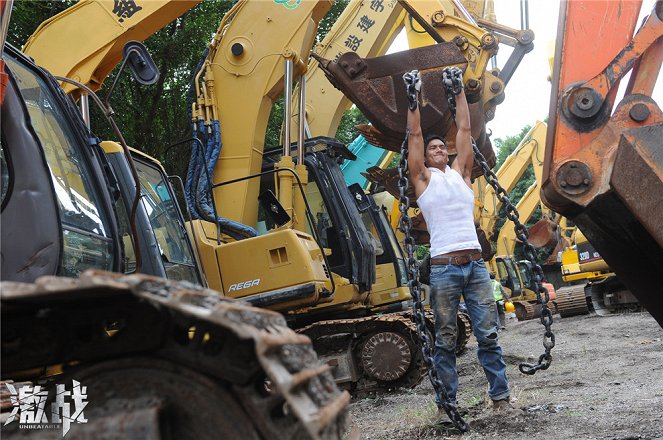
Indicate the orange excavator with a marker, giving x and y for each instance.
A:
(604, 162)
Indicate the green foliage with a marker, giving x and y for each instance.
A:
(422, 251)
(328, 20)
(275, 125)
(347, 132)
(505, 148)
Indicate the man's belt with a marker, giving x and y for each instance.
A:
(457, 260)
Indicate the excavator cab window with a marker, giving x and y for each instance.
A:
(508, 276)
(324, 225)
(86, 232)
(525, 274)
(163, 213)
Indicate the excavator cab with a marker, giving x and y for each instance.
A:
(507, 274)
(74, 208)
(57, 211)
(339, 220)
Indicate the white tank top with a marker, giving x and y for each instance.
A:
(447, 204)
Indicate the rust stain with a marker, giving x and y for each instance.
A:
(34, 259)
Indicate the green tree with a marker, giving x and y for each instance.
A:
(154, 117)
(347, 131)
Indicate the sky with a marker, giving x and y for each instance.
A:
(527, 94)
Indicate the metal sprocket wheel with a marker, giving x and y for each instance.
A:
(386, 356)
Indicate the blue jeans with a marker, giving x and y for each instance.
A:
(471, 280)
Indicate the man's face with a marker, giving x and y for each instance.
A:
(437, 155)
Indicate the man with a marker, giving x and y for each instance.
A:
(498, 294)
(444, 194)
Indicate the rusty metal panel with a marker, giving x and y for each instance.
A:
(624, 223)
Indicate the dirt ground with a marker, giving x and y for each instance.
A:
(605, 382)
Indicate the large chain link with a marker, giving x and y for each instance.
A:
(542, 296)
(405, 224)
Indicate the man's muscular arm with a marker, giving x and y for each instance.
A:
(465, 154)
(419, 174)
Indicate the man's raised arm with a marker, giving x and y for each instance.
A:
(465, 154)
(464, 151)
(419, 174)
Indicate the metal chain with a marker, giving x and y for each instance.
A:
(542, 296)
(405, 224)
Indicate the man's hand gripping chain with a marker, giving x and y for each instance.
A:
(452, 80)
(412, 88)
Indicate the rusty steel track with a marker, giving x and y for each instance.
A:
(395, 329)
(378, 353)
(526, 310)
(571, 301)
(165, 358)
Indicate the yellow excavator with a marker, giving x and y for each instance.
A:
(140, 344)
(89, 64)
(516, 276)
(595, 286)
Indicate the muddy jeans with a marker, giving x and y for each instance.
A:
(471, 280)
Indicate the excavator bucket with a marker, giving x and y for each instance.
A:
(543, 233)
(375, 86)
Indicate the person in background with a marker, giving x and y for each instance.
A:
(498, 293)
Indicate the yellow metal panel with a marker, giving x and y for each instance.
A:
(243, 88)
(384, 291)
(277, 260)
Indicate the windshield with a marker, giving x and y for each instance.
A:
(513, 274)
(524, 274)
(169, 231)
(86, 235)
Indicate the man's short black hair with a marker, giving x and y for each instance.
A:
(429, 138)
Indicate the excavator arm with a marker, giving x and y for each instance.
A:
(106, 26)
(245, 63)
(530, 151)
(603, 167)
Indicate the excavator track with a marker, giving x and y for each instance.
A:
(464, 326)
(163, 359)
(571, 301)
(377, 353)
(526, 310)
(372, 354)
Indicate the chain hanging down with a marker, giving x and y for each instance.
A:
(453, 83)
(413, 86)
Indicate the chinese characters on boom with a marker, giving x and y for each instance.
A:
(29, 406)
(125, 9)
(364, 24)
